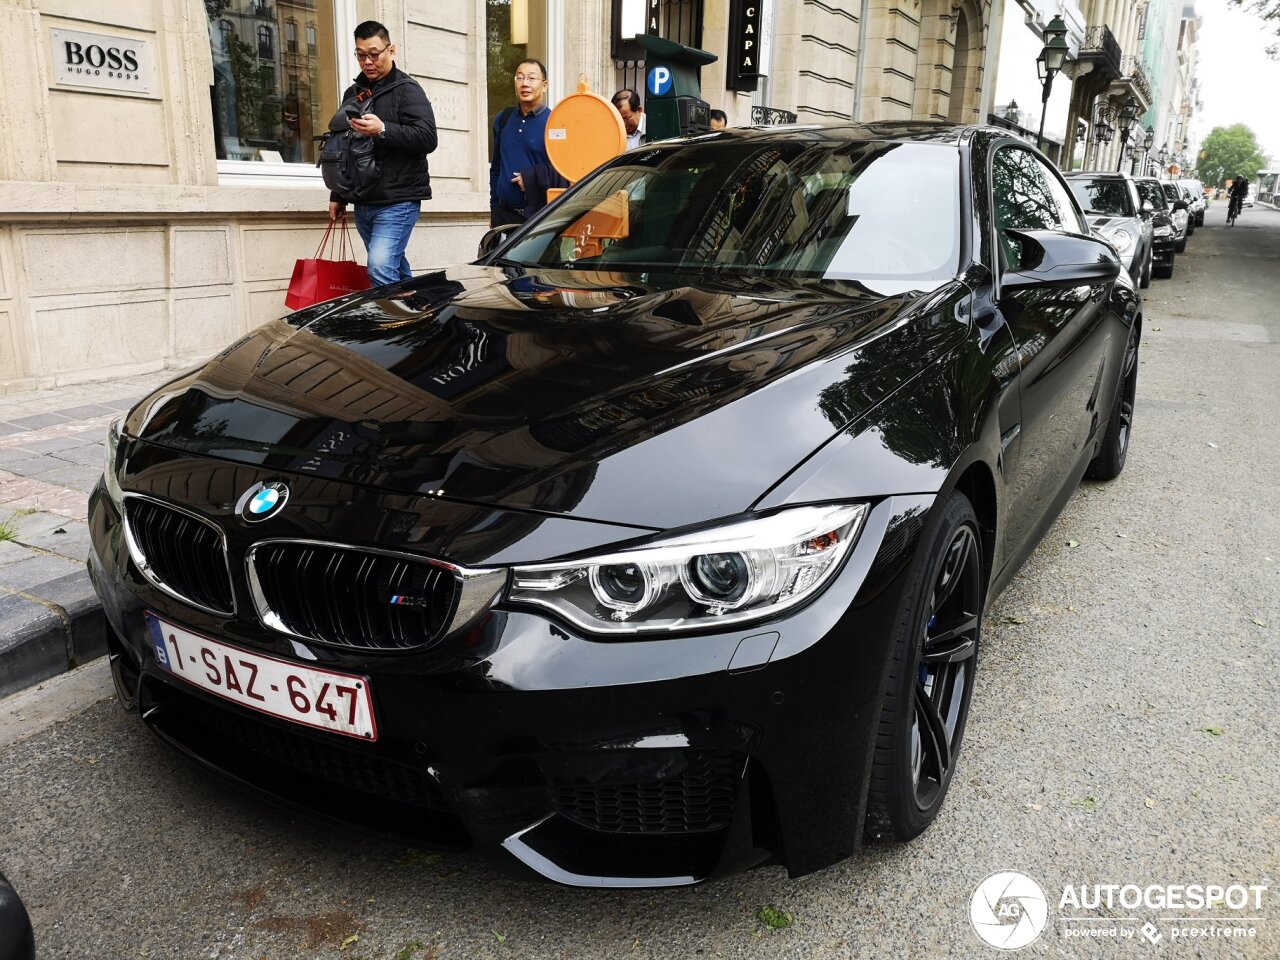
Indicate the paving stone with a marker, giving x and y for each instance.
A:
(29, 524)
(52, 445)
(38, 420)
(85, 454)
(34, 570)
(28, 466)
(74, 543)
(33, 644)
(10, 455)
(12, 552)
(123, 405)
(87, 411)
(73, 475)
(7, 428)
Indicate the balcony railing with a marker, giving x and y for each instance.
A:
(1131, 67)
(1101, 42)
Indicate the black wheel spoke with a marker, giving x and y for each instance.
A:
(933, 734)
(952, 643)
(953, 567)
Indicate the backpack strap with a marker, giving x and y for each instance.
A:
(501, 125)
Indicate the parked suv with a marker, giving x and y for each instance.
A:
(1196, 190)
(1110, 201)
(1182, 224)
(1164, 240)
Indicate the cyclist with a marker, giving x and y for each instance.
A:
(1239, 190)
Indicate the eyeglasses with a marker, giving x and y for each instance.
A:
(530, 77)
(371, 56)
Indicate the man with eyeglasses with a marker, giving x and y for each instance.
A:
(387, 104)
(520, 170)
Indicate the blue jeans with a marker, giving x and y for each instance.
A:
(385, 231)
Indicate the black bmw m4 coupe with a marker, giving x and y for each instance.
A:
(654, 544)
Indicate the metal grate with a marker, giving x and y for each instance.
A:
(181, 553)
(697, 800)
(351, 597)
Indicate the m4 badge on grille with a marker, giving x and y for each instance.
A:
(424, 602)
(262, 501)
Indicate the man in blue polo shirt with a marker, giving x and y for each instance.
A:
(520, 170)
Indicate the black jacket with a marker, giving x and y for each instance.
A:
(410, 136)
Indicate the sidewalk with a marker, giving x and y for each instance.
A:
(51, 456)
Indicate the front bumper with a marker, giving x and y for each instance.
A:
(594, 763)
(1163, 249)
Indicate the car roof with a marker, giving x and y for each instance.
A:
(918, 131)
(1097, 174)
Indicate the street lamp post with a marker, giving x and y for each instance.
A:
(1148, 139)
(1011, 112)
(1050, 61)
(1102, 131)
(1128, 114)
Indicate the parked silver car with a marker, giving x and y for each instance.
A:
(1110, 201)
(1195, 191)
(1183, 226)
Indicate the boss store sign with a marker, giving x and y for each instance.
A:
(750, 34)
(102, 61)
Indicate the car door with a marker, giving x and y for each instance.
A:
(1061, 342)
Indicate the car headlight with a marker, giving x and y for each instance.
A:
(731, 573)
(114, 490)
(1164, 230)
(1120, 238)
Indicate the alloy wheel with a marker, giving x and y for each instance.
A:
(944, 680)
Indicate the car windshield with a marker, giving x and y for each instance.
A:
(1150, 191)
(795, 208)
(1170, 192)
(1109, 196)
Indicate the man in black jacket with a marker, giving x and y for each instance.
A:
(386, 103)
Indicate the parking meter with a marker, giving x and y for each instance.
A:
(673, 104)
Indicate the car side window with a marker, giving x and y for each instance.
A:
(1073, 220)
(1022, 199)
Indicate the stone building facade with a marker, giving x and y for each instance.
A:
(163, 184)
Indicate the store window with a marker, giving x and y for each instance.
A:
(514, 30)
(269, 110)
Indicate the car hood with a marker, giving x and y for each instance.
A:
(1111, 220)
(621, 398)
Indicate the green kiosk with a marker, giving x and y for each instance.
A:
(673, 104)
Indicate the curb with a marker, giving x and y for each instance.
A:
(48, 630)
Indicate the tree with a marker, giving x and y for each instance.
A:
(1229, 152)
(1269, 11)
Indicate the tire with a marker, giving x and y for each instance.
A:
(1181, 246)
(1109, 460)
(1165, 271)
(930, 685)
(1145, 280)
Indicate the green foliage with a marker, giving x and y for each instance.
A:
(773, 917)
(1269, 11)
(1229, 152)
(7, 532)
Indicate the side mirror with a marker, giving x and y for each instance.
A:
(1181, 205)
(1147, 208)
(1052, 259)
(495, 238)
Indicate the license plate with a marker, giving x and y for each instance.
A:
(313, 697)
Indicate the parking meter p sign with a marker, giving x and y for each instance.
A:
(660, 80)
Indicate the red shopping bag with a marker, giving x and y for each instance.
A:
(320, 279)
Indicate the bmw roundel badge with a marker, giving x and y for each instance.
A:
(262, 501)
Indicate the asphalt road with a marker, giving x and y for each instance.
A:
(1123, 731)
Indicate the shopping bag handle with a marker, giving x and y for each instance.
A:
(345, 248)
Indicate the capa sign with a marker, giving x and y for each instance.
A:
(750, 33)
(101, 60)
